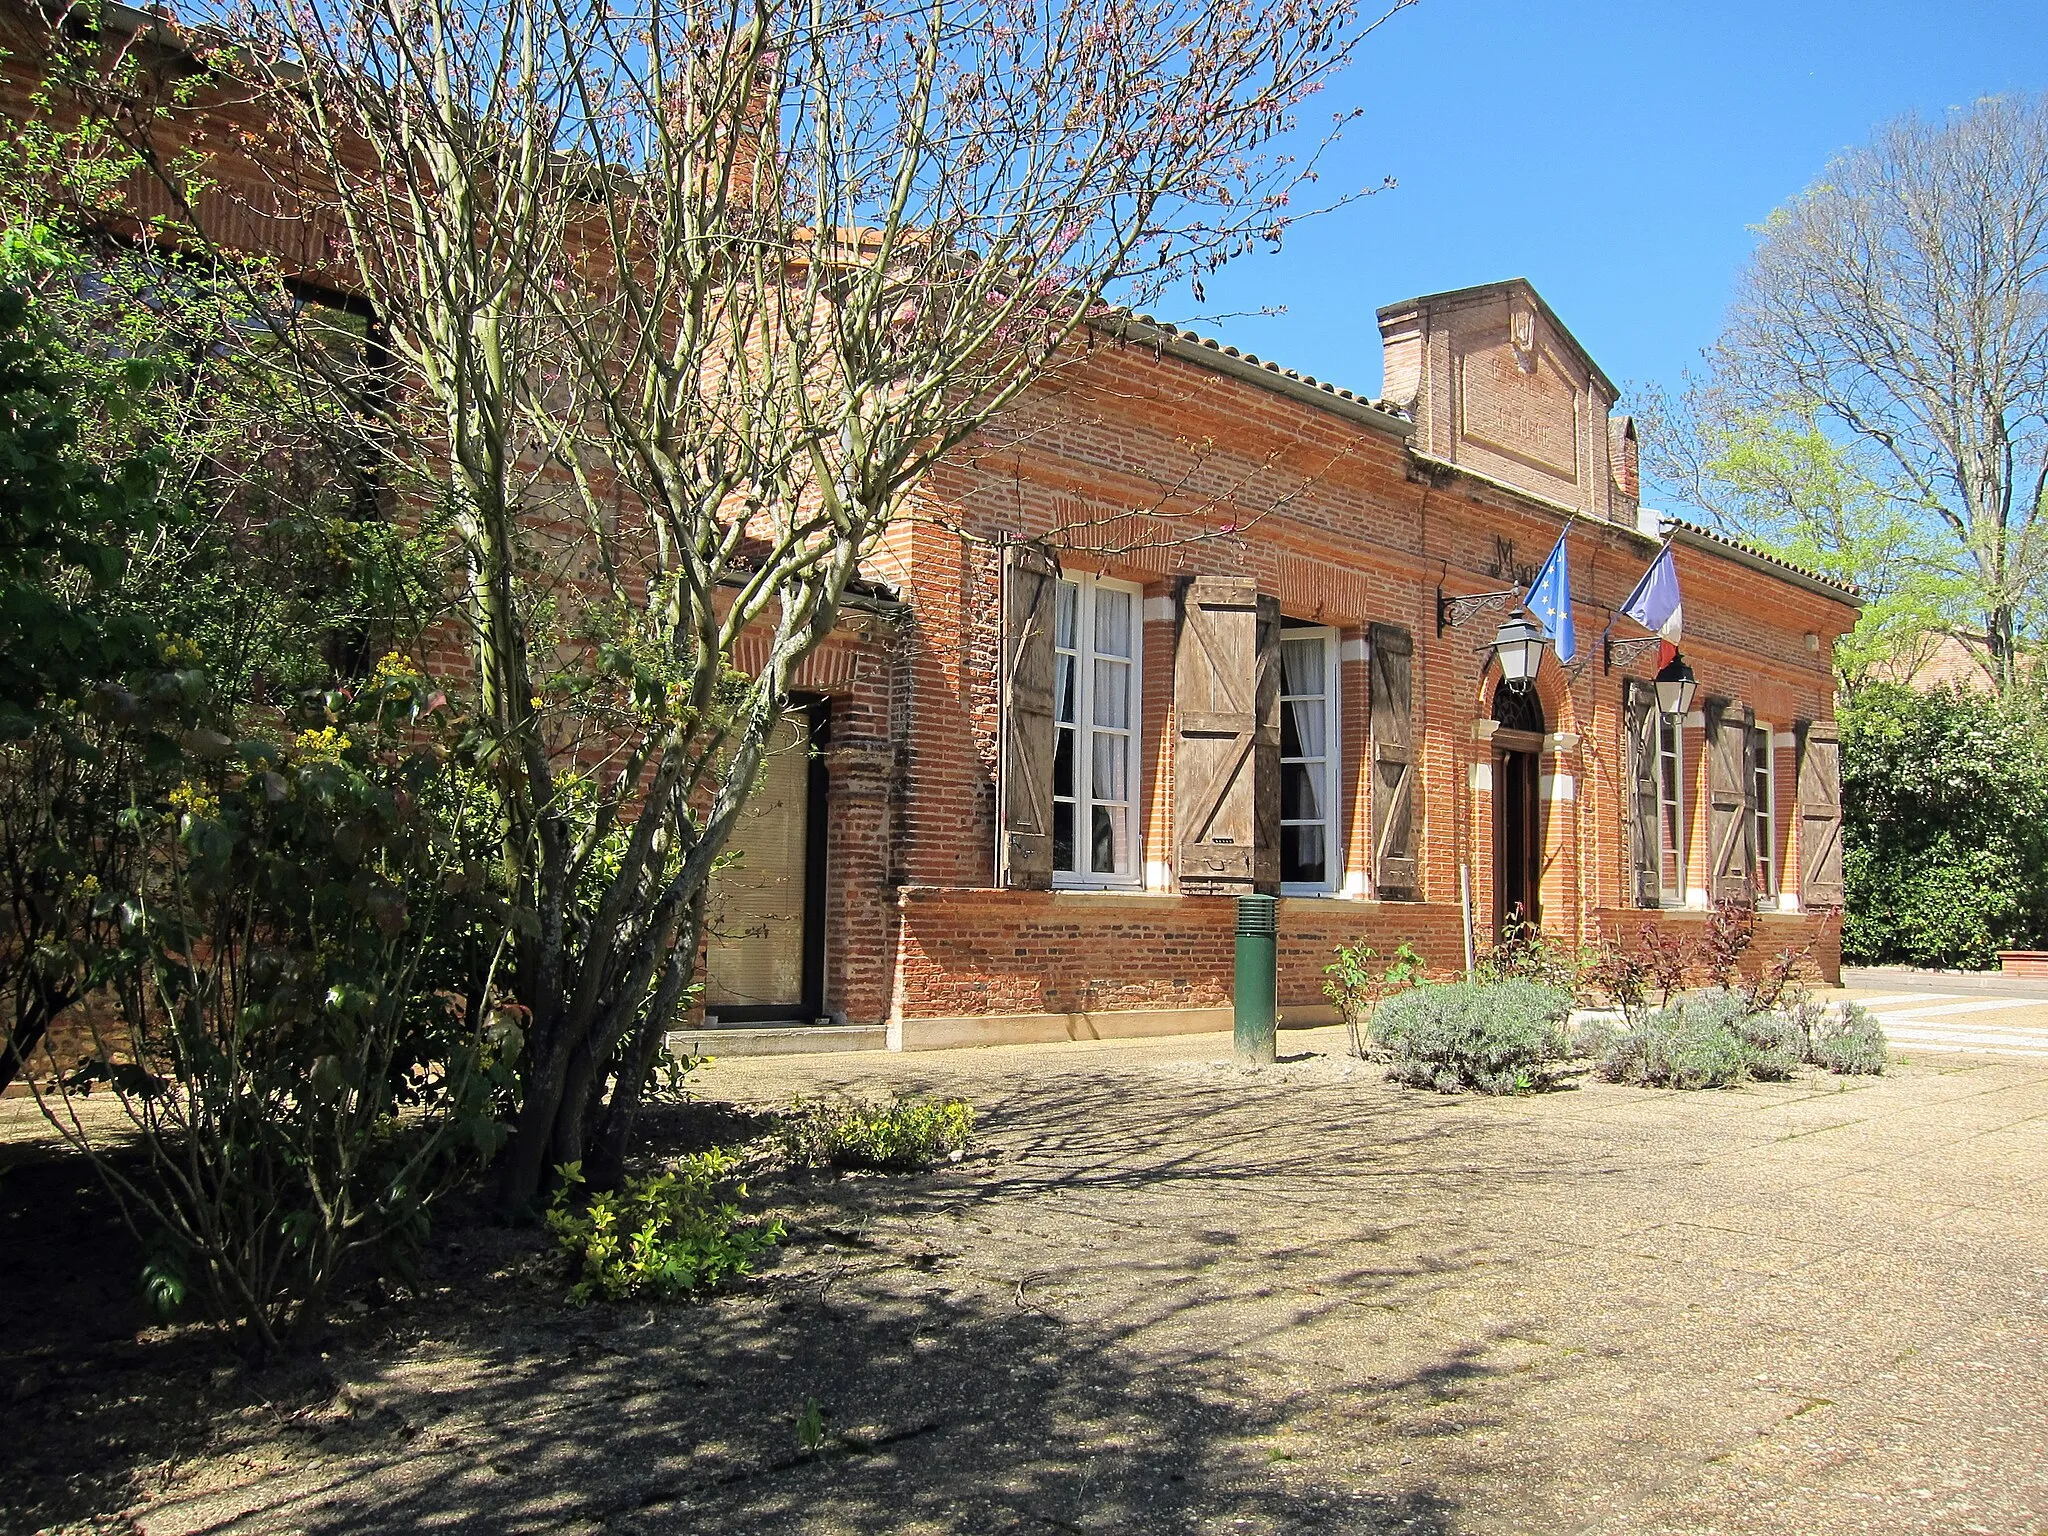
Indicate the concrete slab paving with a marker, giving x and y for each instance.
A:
(1171, 1296)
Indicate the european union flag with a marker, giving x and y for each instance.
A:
(1550, 601)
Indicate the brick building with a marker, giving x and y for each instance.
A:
(1174, 634)
(1177, 636)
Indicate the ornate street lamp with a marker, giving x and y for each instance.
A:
(1518, 647)
(1675, 686)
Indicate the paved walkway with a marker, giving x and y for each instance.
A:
(1924, 1017)
(1169, 1297)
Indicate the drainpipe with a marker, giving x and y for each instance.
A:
(1255, 998)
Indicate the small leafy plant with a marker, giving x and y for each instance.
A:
(1497, 1037)
(1357, 983)
(1694, 1041)
(1847, 1040)
(1525, 953)
(810, 1428)
(902, 1136)
(676, 1233)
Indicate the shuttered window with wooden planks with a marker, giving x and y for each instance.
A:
(1820, 814)
(1763, 800)
(1392, 732)
(1731, 804)
(1096, 705)
(1024, 802)
(1226, 771)
(1641, 799)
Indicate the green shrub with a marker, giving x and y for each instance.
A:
(1499, 1037)
(1848, 1040)
(901, 1136)
(679, 1232)
(1776, 1040)
(1945, 828)
(1695, 1041)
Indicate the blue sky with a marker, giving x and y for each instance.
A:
(1614, 154)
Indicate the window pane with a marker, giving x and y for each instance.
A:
(1301, 797)
(1301, 855)
(1109, 845)
(1112, 763)
(1063, 688)
(1063, 763)
(1112, 622)
(1064, 621)
(1063, 836)
(1113, 694)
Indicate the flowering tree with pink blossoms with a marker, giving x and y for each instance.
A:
(677, 302)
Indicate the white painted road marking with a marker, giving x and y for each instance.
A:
(1937, 1021)
(1981, 1005)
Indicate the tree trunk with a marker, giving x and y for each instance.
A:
(614, 1131)
(30, 1025)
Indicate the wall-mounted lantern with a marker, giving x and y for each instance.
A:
(1675, 687)
(1518, 647)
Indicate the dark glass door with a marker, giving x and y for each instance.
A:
(1518, 838)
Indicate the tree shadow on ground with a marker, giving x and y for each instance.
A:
(954, 1394)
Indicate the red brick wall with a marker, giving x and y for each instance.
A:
(967, 953)
(1147, 467)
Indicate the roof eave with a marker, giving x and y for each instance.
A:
(1272, 377)
(1480, 290)
(1709, 542)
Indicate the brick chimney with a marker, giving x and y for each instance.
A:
(1626, 463)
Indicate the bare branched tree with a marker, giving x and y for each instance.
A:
(1903, 301)
(682, 299)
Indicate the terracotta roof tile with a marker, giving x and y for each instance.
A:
(1196, 338)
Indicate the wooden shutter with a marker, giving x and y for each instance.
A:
(1266, 751)
(1820, 814)
(1645, 875)
(1030, 599)
(1226, 765)
(1731, 801)
(1393, 761)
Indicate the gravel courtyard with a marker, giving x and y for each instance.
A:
(1168, 1296)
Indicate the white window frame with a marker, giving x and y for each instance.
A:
(1086, 585)
(1332, 821)
(1671, 806)
(1764, 785)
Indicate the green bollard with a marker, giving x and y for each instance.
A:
(1255, 1000)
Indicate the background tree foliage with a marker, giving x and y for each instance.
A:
(1878, 403)
(1945, 827)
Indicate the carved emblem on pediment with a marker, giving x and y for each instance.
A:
(1522, 337)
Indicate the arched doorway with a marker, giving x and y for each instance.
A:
(1517, 804)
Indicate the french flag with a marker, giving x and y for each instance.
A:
(1655, 603)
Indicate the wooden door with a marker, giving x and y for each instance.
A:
(763, 955)
(1517, 839)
